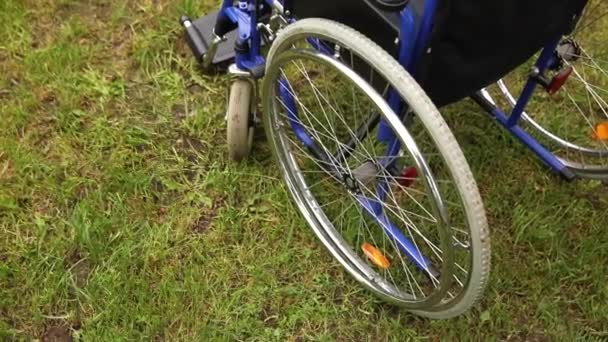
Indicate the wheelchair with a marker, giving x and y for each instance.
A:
(350, 91)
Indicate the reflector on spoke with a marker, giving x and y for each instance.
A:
(559, 80)
(408, 176)
(601, 132)
(375, 256)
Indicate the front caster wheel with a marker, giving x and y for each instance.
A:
(240, 127)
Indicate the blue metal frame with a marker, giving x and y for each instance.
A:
(414, 37)
(244, 15)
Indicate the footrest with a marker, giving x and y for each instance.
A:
(199, 34)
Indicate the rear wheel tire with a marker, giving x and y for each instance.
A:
(328, 127)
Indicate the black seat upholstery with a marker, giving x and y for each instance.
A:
(474, 42)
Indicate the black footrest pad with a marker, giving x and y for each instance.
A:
(225, 52)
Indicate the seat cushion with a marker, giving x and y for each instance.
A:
(479, 41)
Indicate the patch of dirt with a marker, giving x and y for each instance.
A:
(190, 147)
(4, 94)
(534, 337)
(47, 98)
(119, 46)
(195, 89)
(204, 221)
(269, 316)
(182, 112)
(181, 46)
(179, 112)
(85, 9)
(57, 333)
(6, 167)
(194, 143)
(122, 41)
(80, 268)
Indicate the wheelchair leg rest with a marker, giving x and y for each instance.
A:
(199, 34)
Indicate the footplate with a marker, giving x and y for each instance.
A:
(199, 35)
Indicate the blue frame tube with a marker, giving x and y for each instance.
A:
(424, 34)
(256, 42)
(286, 92)
(542, 64)
(545, 155)
(248, 34)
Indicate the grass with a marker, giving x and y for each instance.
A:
(121, 218)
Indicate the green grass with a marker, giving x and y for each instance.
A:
(121, 218)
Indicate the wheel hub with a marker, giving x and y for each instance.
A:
(350, 183)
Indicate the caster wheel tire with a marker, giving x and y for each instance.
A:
(240, 129)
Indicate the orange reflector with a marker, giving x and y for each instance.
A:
(375, 256)
(601, 132)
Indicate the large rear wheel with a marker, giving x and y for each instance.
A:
(396, 206)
